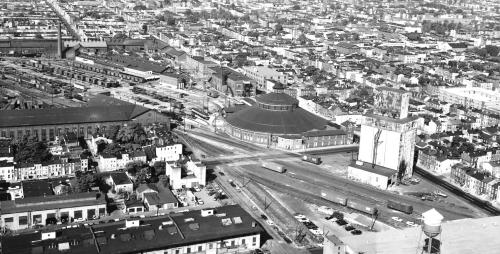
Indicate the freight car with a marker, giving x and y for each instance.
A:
(273, 166)
(335, 198)
(405, 208)
(343, 200)
(361, 207)
(312, 159)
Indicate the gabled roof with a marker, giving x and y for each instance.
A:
(74, 115)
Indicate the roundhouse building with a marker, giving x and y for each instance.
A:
(277, 120)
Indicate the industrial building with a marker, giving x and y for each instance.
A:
(387, 141)
(276, 120)
(43, 210)
(46, 124)
(226, 229)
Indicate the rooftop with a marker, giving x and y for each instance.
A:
(379, 170)
(74, 115)
(52, 202)
(457, 237)
(154, 233)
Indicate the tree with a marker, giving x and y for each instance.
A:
(84, 182)
(401, 170)
(134, 167)
(492, 50)
(30, 150)
(278, 27)
(112, 131)
(139, 8)
(132, 133)
(142, 176)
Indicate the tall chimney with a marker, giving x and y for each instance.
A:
(59, 41)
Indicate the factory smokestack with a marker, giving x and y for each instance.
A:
(59, 42)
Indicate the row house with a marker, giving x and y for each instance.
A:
(51, 169)
(475, 182)
(108, 162)
(431, 161)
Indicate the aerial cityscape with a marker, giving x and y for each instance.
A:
(249, 126)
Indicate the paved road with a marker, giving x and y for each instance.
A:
(484, 206)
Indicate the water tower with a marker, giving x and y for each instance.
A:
(432, 229)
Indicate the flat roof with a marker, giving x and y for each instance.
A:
(379, 170)
(478, 235)
(153, 233)
(51, 202)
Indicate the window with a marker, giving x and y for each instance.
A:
(37, 219)
(210, 245)
(139, 209)
(188, 250)
(243, 241)
(78, 214)
(90, 213)
(232, 243)
(254, 239)
(177, 251)
(102, 211)
(200, 248)
(23, 220)
(4, 134)
(9, 220)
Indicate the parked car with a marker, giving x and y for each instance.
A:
(263, 216)
(349, 228)
(341, 222)
(356, 232)
(395, 218)
(270, 222)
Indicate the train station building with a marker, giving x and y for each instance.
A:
(276, 120)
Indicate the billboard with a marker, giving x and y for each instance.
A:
(380, 146)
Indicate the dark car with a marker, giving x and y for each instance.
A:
(349, 228)
(221, 173)
(356, 232)
(264, 217)
(341, 222)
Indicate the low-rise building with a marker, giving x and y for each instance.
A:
(120, 182)
(28, 212)
(375, 175)
(109, 162)
(226, 229)
(189, 174)
(169, 152)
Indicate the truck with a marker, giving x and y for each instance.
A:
(273, 166)
(312, 159)
(398, 206)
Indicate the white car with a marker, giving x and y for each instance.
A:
(396, 219)
(411, 223)
(299, 216)
(316, 231)
(303, 219)
(79, 220)
(270, 222)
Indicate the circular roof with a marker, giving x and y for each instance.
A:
(258, 119)
(277, 99)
